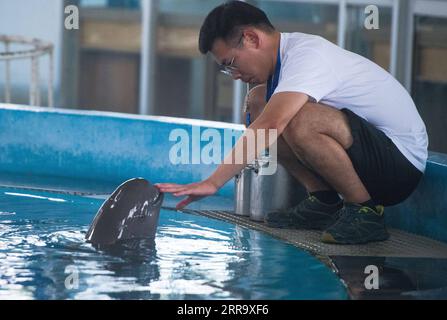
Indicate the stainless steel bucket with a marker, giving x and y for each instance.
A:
(272, 192)
(242, 191)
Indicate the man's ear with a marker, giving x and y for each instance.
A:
(252, 37)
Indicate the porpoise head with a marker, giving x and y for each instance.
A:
(130, 213)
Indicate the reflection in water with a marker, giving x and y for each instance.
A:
(135, 266)
(398, 277)
(44, 256)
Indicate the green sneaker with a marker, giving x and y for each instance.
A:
(308, 214)
(357, 225)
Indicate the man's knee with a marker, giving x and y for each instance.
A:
(305, 122)
(314, 119)
(317, 118)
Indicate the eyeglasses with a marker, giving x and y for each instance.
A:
(230, 69)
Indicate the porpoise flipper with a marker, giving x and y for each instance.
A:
(130, 213)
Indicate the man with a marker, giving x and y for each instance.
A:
(345, 126)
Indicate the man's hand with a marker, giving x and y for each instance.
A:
(194, 191)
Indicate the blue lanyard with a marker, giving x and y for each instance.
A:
(247, 119)
(272, 82)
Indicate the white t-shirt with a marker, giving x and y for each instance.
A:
(342, 79)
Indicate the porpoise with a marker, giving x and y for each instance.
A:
(130, 213)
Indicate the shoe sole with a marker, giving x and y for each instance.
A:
(289, 225)
(326, 237)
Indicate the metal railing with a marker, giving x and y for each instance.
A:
(38, 49)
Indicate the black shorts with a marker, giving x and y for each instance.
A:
(387, 175)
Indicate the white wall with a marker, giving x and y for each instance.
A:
(41, 19)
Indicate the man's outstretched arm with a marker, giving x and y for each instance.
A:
(276, 116)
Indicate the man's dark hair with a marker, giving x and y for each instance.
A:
(226, 22)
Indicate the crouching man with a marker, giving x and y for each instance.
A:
(345, 126)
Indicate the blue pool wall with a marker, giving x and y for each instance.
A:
(116, 147)
(103, 145)
(425, 211)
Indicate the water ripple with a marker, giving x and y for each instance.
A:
(44, 256)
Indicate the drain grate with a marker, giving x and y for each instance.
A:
(400, 244)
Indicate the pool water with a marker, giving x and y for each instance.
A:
(44, 255)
